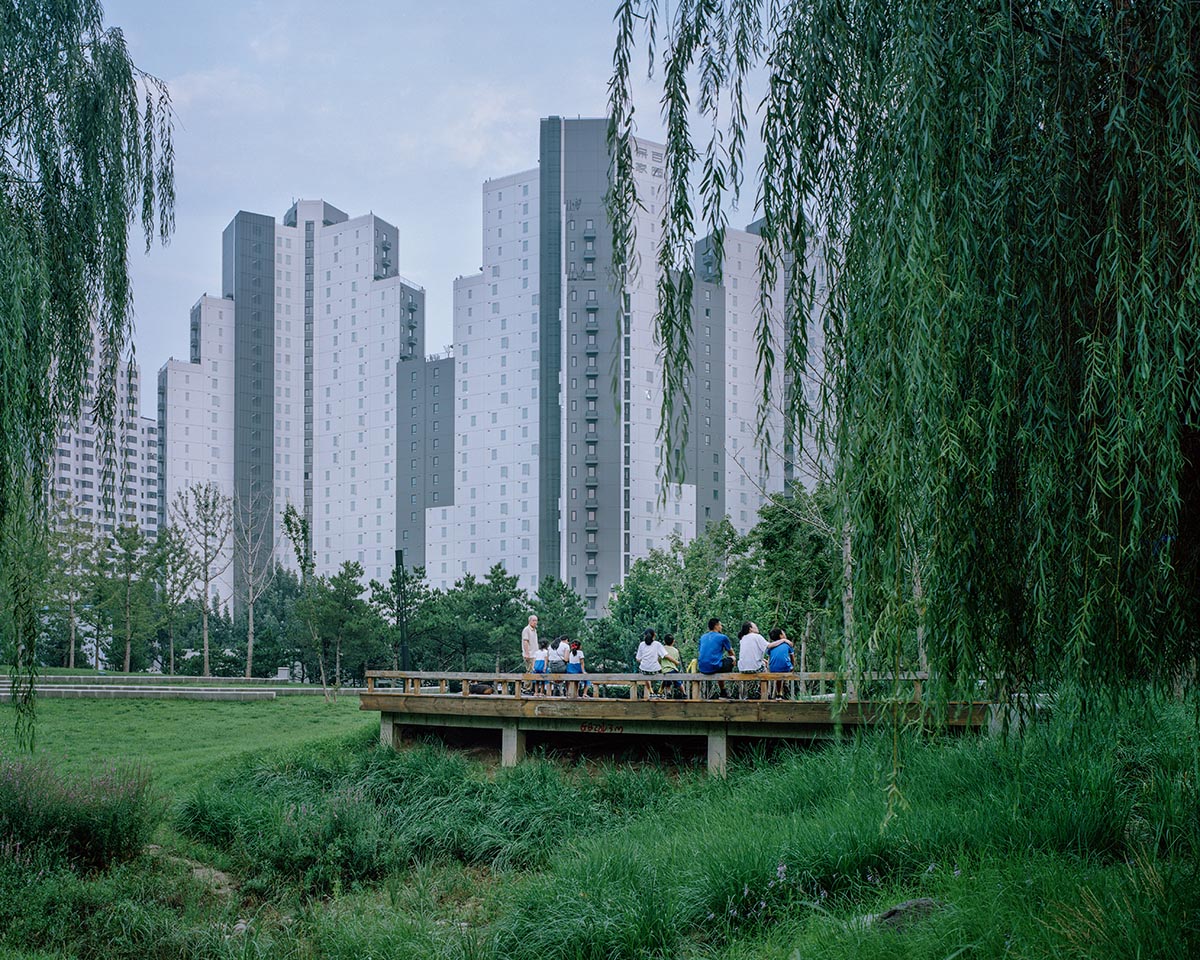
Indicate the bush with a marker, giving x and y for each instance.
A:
(91, 822)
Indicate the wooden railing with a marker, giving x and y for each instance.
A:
(632, 686)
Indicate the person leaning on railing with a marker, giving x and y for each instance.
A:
(649, 655)
(540, 666)
(575, 665)
(556, 662)
(780, 660)
(671, 662)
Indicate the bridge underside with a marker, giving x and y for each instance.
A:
(716, 721)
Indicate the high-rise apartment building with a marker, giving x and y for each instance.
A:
(555, 466)
(291, 393)
(740, 438)
(113, 480)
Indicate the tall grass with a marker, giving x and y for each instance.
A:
(350, 813)
(1078, 842)
(807, 836)
(90, 821)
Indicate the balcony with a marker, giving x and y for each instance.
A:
(591, 349)
(591, 526)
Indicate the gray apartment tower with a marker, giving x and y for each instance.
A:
(293, 393)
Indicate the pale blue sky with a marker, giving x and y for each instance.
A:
(401, 108)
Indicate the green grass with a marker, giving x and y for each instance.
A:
(183, 743)
(1081, 843)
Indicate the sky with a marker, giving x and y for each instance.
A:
(398, 108)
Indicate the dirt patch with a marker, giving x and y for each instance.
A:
(219, 882)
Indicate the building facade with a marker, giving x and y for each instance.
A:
(291, 393)
(555, 462)
(110, 480)
(557, 467)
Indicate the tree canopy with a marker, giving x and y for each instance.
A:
(1002, 200)
(85, 153)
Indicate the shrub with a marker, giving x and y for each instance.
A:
(91, 822)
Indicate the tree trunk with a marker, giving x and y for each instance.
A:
(320, 663)
(849, 655)
(337, 666)
(919, 603)
(808, 619)
(128, 627)
(171, 636)
(204, 627)
(71, 618)
(249, 638)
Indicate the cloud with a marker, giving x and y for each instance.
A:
(221, 87)
(272, 46)
(487, 126)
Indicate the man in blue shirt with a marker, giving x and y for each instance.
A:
(716, 652)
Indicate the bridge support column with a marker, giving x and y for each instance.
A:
(718, 748)
(387, 729)
(512, 745)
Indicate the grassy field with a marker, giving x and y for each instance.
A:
(1081, 842)
(183, 743)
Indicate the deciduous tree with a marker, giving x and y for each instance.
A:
(254, 565)
(203, 516)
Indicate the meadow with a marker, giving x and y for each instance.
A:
(1081, 841)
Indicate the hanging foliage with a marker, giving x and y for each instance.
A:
(1004, 199)
(85, 152)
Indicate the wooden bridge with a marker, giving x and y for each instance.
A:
(671, 705)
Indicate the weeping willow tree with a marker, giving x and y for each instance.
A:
(85, 153)
(1005, 198)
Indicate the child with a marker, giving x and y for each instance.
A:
(780, 657)
(671, 662)
(539, 666)
(575, 665)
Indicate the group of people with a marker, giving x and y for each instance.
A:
(561, 655)
(755, 654)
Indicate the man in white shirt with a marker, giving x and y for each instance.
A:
(529, 643)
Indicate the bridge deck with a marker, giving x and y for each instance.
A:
(629, 704)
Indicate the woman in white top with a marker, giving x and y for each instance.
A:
(649, 652)
(752, 649)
